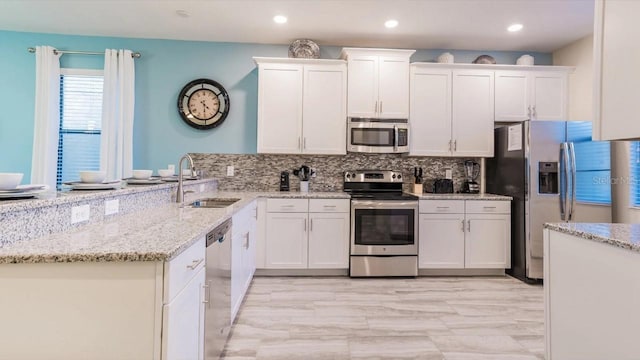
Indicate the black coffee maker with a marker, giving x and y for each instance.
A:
(471, 172)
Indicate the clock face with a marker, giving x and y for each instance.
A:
(203, 104)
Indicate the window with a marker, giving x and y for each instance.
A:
(634, 173)
(593, 164)
(80, 123)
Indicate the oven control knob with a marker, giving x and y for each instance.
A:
(348, 175)
(393, 176)
(399, 176)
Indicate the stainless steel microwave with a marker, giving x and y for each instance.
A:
(387, 136)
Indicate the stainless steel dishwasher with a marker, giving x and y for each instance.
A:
(218, 290)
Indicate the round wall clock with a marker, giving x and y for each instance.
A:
(203, 104)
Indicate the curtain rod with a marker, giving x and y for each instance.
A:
(135, 55)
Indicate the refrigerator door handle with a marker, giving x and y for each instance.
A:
(572, 160)
(564, 178)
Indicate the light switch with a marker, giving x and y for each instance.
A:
(230, 170)
(448, 174)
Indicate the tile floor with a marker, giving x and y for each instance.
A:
(430, 318)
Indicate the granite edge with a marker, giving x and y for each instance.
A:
(589, 235)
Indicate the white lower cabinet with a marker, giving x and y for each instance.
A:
(183, 322)
(328, 240)
(464, 234)
(243, 254)
(306, 234)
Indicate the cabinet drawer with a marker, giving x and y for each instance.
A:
(287, 205)
(329, 205)
(180, 270)
(488, 207)
(442, 206)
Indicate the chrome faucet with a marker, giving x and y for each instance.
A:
(180, 193)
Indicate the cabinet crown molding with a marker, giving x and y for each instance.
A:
(568, 69)
(346, 52)
(277, 60)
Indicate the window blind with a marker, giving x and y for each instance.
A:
(634, 173)
(80, 125)
(593, 164)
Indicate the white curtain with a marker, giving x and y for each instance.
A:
(116, 141)
(44, 161)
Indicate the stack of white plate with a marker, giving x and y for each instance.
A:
(9, 188)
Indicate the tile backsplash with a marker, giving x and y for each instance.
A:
(261, 172)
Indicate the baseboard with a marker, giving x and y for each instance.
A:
(461, 272)
(302, 272)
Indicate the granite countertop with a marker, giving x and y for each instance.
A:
(157, 234)
(462, 196)
(626, 236)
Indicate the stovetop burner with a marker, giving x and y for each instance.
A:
(375, 185)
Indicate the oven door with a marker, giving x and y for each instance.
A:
(384, 227)
(376, 136)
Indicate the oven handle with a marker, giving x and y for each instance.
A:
(388, 204)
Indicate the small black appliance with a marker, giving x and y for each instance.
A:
(443, 186)
(284, 181)
(471, 171)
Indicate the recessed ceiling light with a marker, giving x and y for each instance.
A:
(390, 24)
(515, 27)
(182, 13)
(280, 19)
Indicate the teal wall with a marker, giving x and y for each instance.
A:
(160, 136)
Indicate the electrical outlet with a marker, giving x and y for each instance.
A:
(111, 206)
(230, 170)
(448, 174)
(79, 213)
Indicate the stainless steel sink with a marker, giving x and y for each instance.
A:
(213, 203)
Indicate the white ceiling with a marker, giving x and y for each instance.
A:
(424, 24)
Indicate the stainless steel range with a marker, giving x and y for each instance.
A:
(384, 224)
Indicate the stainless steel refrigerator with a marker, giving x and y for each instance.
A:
(555, 173)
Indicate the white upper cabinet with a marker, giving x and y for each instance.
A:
(378, 83)
(324, 111)
(472, 118)
(451, 111)
(301, 106)
(430, 115)
(616, 78)
(531, 94)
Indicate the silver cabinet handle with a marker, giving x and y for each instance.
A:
(304, 143)
(329, 206)
(195, 263)
(442, 207)
(489, 207)
(255, 216)
(468, 225)
(207, 291)
(529, 112)
(311, 225)
(535, 114)
(572, 160)
(375, 108)
(450, 143)
(455, 145)
(305, 225)
(298, 142)
(246, 243)
(380, 107)
(463, 225)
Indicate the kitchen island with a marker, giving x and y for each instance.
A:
(592, 291)
(122, 286)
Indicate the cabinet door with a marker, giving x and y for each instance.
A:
(488, 241)
(393, 87)
(324, 125)
(280, 108)
(329, 240)
(441, 241)
(549, 95)
(286, 245)
(183, 323)
(430, 114)
(473, 113)
(616, 70)
(362, 93)
(512, 96)
(237, 273)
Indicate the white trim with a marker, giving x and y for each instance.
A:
(81, 72)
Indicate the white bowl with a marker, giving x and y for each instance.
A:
(9, 181)
(92, 176)
(165, 172)
(142, 174)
